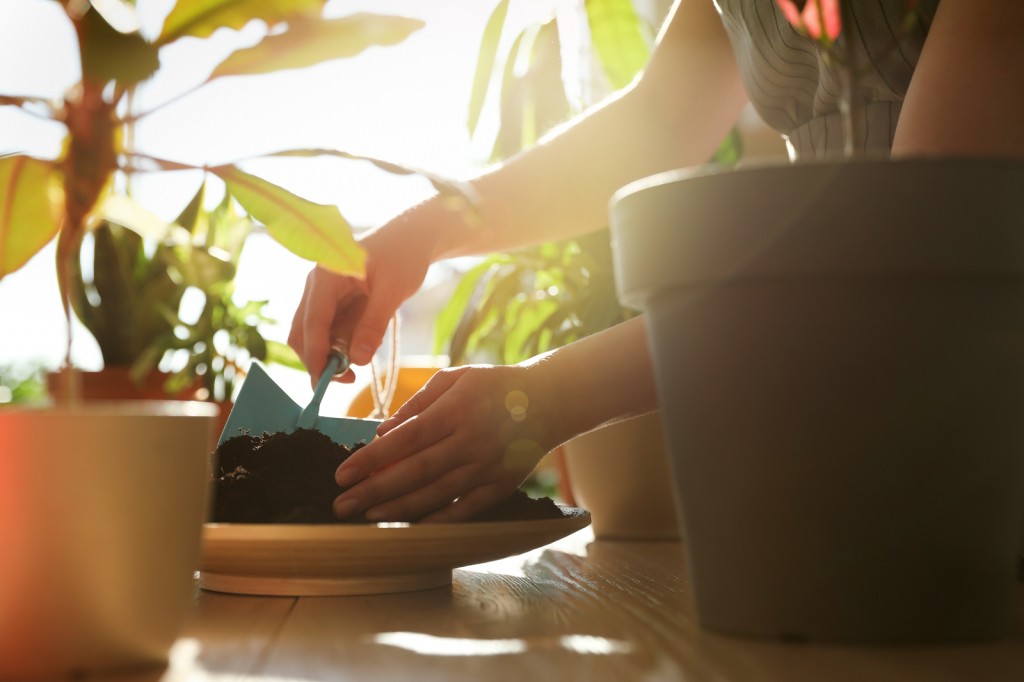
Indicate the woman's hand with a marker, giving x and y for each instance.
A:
(462, 444)
(356, 311)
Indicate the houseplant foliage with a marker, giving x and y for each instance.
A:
(67, 196)
(145, 279)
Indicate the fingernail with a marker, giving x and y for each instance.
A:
(345, 508)
(346, 477)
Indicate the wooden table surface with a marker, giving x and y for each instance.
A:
(578, 609)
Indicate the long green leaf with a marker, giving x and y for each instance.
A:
(485, 63)
(312, 231)
(200, 18)
(618, 37)
(306, 43)
(447, 321)
(530, 317)
(27, 213)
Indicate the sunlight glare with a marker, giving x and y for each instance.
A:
(430, 645)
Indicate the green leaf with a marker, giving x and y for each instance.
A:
(448, 319)
(121, 209)
(200, 18)
(529, 319)
(619, 39)
(189, 215)
(27, 209)
(282, 354)
(309, 230)
(485, 63)
(730, 150)
(108, 54)
(306, 43)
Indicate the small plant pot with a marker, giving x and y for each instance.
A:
(101, 514)
(839, 354)
(619, 473)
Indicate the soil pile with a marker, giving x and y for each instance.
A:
(289, 478)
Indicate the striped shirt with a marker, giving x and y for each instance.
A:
(798, 94)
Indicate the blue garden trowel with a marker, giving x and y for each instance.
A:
(262, 406)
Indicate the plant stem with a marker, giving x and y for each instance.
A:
(851, 109)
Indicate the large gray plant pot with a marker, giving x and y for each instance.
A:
(839, 352)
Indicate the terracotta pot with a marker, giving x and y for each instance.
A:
(619, 472)
(115, 383)
(838, 354)
(101, 513)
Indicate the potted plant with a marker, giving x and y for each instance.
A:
(837, 360)
(153, 345)
(68, 196)
(85, 187)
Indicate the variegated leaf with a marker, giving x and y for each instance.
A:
(27, 209)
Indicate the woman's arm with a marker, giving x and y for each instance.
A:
(674, 115)
(967, 93)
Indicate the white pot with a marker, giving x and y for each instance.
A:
(101, 514)
(619, 472)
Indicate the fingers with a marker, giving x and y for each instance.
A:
(394, 474)
(372, 325)
(435, 387)
(329, 309)
(441, 500)
(415, 436)
(454, 440)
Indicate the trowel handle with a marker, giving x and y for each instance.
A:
(337, 363)
(338, 358)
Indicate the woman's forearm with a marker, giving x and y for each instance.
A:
(674, 115)
(601, 378)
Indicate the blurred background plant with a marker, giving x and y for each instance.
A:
(177, 288)
(22, 384)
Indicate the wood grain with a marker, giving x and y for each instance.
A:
(577, 609)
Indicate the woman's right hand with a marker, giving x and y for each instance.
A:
(354, 310)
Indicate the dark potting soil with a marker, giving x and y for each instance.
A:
(289, 478)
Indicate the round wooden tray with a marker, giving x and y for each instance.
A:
(350, 559)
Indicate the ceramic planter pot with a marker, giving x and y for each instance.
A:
(839, 352)
(619, 472)
(101, 514)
